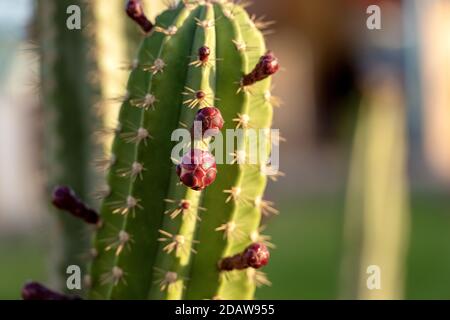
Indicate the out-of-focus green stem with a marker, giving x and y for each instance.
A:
(377, 219)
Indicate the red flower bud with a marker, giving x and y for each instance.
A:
(267, 66)
(197, 169)
(211, 120)
(135, 11)
(254, 256)
(65, 199)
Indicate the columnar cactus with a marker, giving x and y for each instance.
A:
(188, 230)
(67, 94)
(161, 239)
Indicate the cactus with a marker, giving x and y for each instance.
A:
(187, 231)
(69, 56)
(67, 93)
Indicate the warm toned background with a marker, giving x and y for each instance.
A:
(366, 115)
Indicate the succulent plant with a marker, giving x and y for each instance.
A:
(89, 57)
(188, 231)
(67, 93)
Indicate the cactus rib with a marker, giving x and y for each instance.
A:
(238, 215)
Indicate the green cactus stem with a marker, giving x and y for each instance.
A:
(67, 94)
(160, 239)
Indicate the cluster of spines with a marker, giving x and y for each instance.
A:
(176, 206)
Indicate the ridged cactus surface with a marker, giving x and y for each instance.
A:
(185, 226)
(159, 238)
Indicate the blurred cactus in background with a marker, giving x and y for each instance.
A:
(68, 93)
(377, 217)
(80, 77)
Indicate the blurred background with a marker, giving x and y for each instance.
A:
(366, 116)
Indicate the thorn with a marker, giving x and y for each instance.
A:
(183, 125)
(258, 277)
(229, 14)
(105, 164)
(103, 193)
(274, 136)
(133, 65)
(119, 243)
(140, 135)
(235, 195)
(170, 31)
(114, 277)
(185, 208)
(157, 67)
(205, 24)
(260, 23)
(275, 101)
(231, 231)
(133, 172)
(239, 157)
(266, 207)
(272, 174)
(146, 103)
(168, 280)
(256, 236)
(130, 205)
(244, 3)
(101, 135)
(240, 45)
(176, 243)
(122, 99)
(242, 120)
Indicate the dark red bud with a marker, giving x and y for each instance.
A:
(36, 291)
(256, 255)
(135, 11)
(203, 54)
(200, 95)
(197, 169)
(268, 65)
(185, 205)
(211, 120)
(65, 199)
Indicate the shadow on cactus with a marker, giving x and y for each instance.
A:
(189, 230)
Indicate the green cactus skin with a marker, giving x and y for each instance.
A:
(139, 206)
(67, 93)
